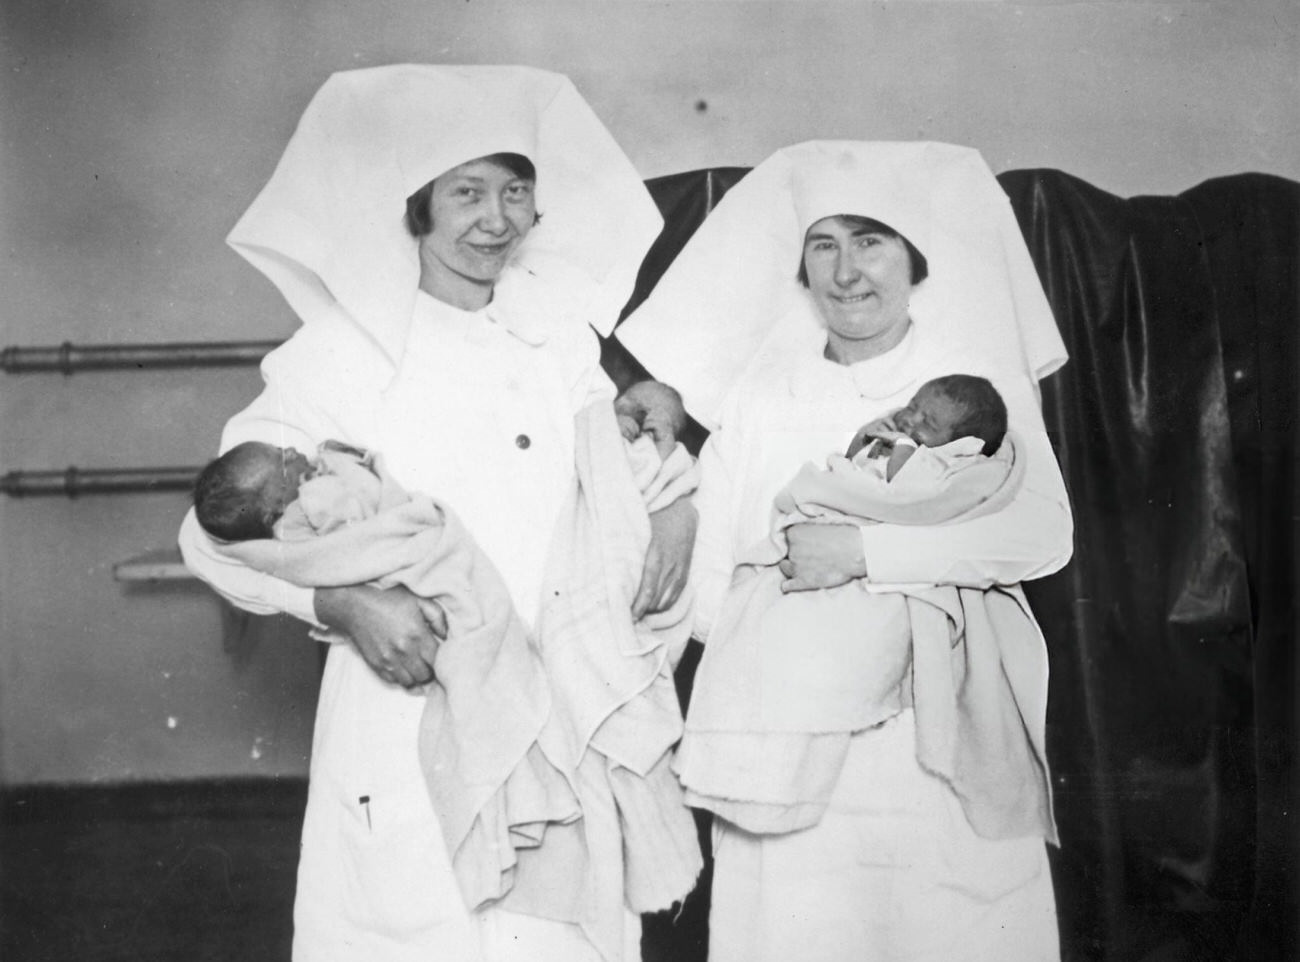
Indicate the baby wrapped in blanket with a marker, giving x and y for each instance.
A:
(512, 723)
(786, 678)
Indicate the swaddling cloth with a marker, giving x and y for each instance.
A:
(787, 678)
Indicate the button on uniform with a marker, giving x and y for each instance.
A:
(522, 442)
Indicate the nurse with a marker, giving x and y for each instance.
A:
(448, 237)
(830, 283)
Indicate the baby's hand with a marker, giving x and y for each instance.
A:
(628, 425)
(890, 436)
(881, 429)
(652, 408)
(435, 615)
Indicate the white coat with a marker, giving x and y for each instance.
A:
(480, 415)
(893, 872)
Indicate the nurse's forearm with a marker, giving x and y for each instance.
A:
(821, 556)
(1028, 541)
(396, 635)
(668, 558)
(240, 585)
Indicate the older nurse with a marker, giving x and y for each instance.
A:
(447, 235)
(825, 288)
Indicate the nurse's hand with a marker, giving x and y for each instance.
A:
(396, 635)
(822, 556)
(668, 559)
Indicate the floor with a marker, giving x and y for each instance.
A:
(188, 872)
(193, 871)
(204, 872)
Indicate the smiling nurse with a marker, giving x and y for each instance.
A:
(860, 273)
(469, 221)
(457, 340)
(906, 839)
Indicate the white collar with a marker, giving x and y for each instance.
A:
(875, 379)
(476, 326)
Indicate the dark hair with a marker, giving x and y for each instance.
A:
(984, 413)
(920, 267)
(418, 219)
(226, 504)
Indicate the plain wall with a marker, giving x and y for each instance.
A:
(132, 135)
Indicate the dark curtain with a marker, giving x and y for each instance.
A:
(1172, 712)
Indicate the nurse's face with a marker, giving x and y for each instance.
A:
(861, 282)
(481, 212)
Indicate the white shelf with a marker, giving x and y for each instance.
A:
(160, 565)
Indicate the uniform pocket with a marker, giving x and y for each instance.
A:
(399, 878)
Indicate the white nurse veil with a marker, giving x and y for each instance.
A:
(328, 228)
(731, 291)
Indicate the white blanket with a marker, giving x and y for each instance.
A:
(616, 715)
(787, 678)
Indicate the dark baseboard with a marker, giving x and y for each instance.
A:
(231, 798)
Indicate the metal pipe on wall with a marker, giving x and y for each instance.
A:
(77, 481)
(68, 357)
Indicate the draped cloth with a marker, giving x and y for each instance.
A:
(616, 716)
(1173, 719)
(491, 786)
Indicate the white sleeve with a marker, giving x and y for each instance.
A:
(278, 416)
(241, 585)
(592, 383)
(1031, 537)
(716, 498)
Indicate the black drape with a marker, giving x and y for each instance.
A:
(1172, 712)
(1158, 713)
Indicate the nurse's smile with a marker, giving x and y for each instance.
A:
(481, 211)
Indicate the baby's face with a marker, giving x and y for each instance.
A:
(930, 418)
(283, 472)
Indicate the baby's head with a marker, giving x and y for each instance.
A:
(242, 494)
(654, 408)
(952, 407)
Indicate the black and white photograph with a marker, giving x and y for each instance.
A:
(649, 481)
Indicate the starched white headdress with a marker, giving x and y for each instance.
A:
(733, 288)
(328, 227)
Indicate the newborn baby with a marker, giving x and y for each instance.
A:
(651, 408)
(770, 714)
(256, 490)
(941, 411)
